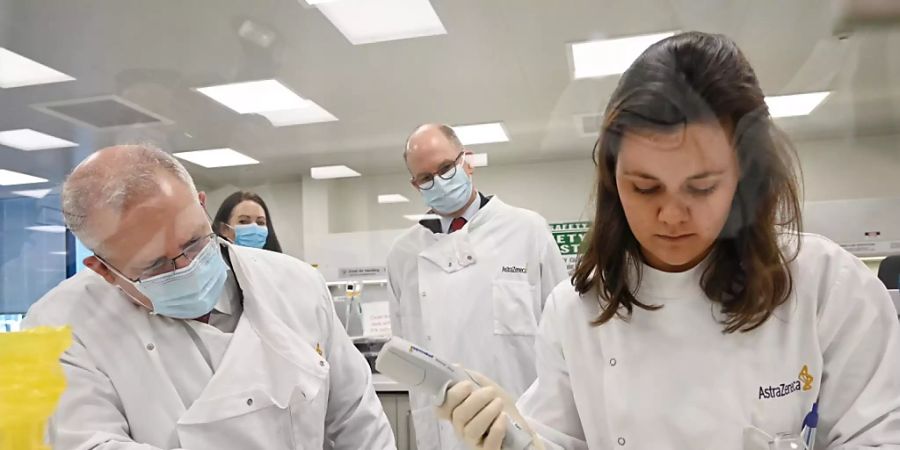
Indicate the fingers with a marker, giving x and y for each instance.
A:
(480, 379)
(497, 433)
(477, 428)
(455, 396)
(472, 406)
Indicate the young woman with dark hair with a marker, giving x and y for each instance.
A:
(699, 316)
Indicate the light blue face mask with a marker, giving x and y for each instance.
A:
(449, 196)
(250, 235)
(189, 292)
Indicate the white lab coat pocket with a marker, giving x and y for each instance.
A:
(308, 409)
(513, 308)
(225, 423)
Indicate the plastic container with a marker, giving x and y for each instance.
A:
(31, 382)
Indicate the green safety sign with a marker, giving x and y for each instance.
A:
(569, 235)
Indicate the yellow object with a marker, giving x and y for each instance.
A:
(31, 382)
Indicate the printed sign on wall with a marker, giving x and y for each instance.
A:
(568, 237)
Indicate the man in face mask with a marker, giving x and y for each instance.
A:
(182, 340)
(471, 283)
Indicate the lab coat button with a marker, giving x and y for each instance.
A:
(612, 362)
(622, 441)
(322, 363)
(423, 293)
(469, 257)
(249, 402)
(450, 264)
(150, 347)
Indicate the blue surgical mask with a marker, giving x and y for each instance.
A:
(189, 292)
(449, 196)
(250, 235)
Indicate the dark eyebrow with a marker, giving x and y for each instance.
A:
(707, 174)
(639, 174)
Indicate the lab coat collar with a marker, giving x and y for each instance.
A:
(266, 360)
(435, 226)
(657, 284)
(467, 215)
(454, 252)
(230, 295)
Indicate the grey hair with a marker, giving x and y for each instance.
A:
(446, 130)
(132, 178)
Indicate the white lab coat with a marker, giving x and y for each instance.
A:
(474, 297)
(670, 379)
(272, 389)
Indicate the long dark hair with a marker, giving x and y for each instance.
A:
(224, 214)
(699, 78)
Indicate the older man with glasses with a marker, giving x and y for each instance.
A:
(182, 340)
(469, 284)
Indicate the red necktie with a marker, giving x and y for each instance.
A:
(457, 223)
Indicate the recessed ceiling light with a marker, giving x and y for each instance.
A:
(317, 2)
(610, 56)
(28, 139)
(365, 22)
(10, 178)
(420, 217)
(310, 113)
(33, 193)
(392, 198)
(483, 133)
(254, 96)
(47, 228)
(328, 172)
(273, 100)
(17, 70)
(795, 104)
(478, 159)
(217, 157)
(58, 253)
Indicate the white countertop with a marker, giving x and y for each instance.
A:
(385, 384)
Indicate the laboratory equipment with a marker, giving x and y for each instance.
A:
(31, 382)
(420, 369)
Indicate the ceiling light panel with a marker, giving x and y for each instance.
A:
(795, 104)
(484, 133)
(610, 56)
(392, 198)
(370, 21)
(17, 71)
(217, 157)
(28, 139)
(329, 172)
(12, 178)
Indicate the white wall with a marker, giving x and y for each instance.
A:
(861, 167)
(285, 205)
(306, 213)
(557, 190)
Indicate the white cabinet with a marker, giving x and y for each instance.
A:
(396, 406)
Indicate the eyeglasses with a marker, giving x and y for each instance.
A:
(446, 171)
(191, 251)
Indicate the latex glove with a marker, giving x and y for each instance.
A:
(478, 414)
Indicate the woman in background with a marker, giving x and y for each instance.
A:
(244, 219)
